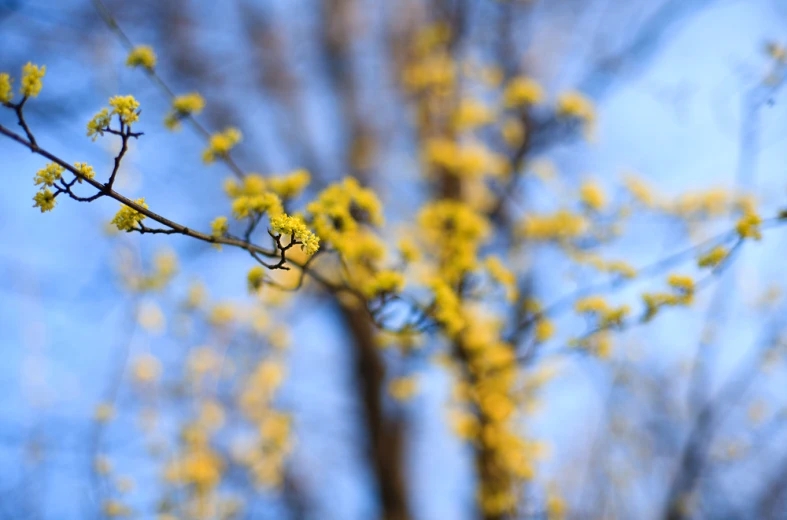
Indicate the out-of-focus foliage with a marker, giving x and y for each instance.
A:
(422, 210)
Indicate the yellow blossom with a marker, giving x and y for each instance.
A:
(290, 185)
(6, 90)
(248, 205)
(713, 257)
(196, 295)
(641, 192)
(403, 388)
(142, 56)
(221, 314)
(591, 304)
(115, 509)
(182, 107)
(49, 174)
(748, 226)
(683, 283)
(471, 114)
(219, 227)
(45, 200)
(85, 170)
(97, 125)
(126, 107)
(522, 91)
(620, 267)
(471, 159)
(544, 330)
(128, 218)
(385, 281)
(255, 278)
(220, 144)
(341, 207)
(575, 104)
(31, 79)
(448, 311)
(502, 275)
(555, 506)
(146, 369)
(408, 249)
(593, 196)
(559, 226)
(295, 227)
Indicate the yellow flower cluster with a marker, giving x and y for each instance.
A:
(126, 107)
(344, 214)
(431, 69)
(142, 56)
(255, 278)
(507, 458)
(248, 205)
(408, 250)
(85, 171)
(713, 257)
(471, 114)
(115, 509)
(544, 330)
(640, 190)
(198, 465)
(383, 282)
(220, 144)
(6, 90)
(219, 227)
(447, 307)
(49, 174)
(146, 369)
(165, 266)
(295, 227)
(403, 388)
(502, 275)
(127, 218)
(684, 295)
(575, 104)
(597, 307)
(560, 226)
(616, 267)
(31, 79)
(455, 232)
(593, 196)
(182, 107)
(99, 123)
(470, 160)
(710, 203)
(45, 200)
(431, 37)
(436, 72)
(341, 207)
(290, 185)
(748, 226)
(522, 91)
(683, 283)
(265, 457)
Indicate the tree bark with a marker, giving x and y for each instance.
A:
(386, 434)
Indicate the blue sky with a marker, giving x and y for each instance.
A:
(677, 123)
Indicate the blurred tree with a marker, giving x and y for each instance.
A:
(420, 213)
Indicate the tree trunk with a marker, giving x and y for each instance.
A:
(386, 434)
